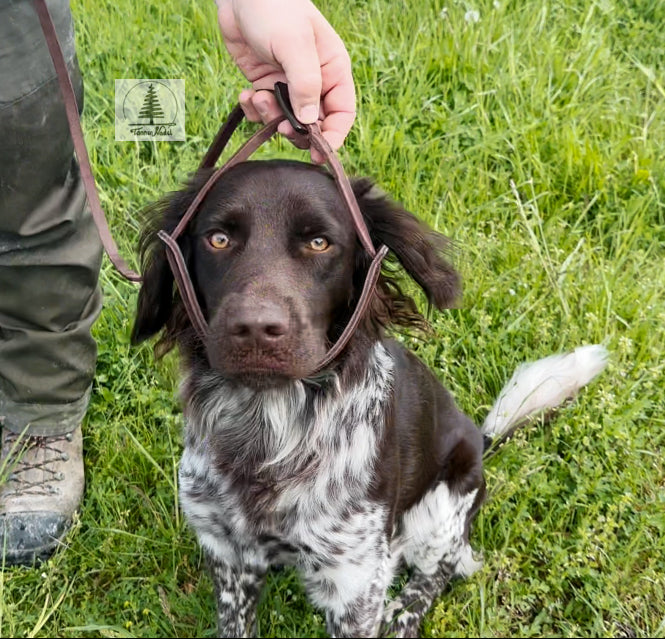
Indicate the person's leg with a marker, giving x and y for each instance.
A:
(50, 256)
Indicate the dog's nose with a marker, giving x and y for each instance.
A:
(252, 323)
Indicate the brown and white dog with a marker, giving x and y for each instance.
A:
(346, 474)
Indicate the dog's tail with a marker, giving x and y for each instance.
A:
(541, 386)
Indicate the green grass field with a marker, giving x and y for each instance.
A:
(535, 138)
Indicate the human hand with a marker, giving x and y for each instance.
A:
(290, 41)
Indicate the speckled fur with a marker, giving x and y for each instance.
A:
(311, 507)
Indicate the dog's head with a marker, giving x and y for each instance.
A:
(278, 269)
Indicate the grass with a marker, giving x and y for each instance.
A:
(534, 138)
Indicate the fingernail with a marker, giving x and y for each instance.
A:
(309, 113)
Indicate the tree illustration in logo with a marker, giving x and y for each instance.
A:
(151, 108)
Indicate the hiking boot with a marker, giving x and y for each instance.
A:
(41, 485)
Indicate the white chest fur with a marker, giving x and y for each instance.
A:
(280, 476)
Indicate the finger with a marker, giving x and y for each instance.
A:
(245, 101)
(286, 130)
(317, 156)
(299, 141)
(339, 101)
(300, 61)
(335, 128)
(265, 104)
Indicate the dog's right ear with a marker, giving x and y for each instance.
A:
(157, 296)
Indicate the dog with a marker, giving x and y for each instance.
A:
(350, 473)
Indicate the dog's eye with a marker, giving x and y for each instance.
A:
(219, 240)
(318, 244)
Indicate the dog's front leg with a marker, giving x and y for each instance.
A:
(237, 590)
(352, 590)
(403, 616)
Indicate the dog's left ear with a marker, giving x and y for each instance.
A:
(422, 252)
(155, 301)
(157, 305)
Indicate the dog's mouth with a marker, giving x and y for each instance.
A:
(261, 379)
(260, 370)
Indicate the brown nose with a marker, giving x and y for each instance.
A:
(257, 323)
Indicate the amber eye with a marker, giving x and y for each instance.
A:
(219, 240)
(318, 244)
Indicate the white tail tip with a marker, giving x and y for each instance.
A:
(542, 385)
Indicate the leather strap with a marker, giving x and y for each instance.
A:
(346, 190)
(242, 154)
(223, 136)
(72, 112)
(365, 299)
(184, 282)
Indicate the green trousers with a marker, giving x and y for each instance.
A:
(50, 253)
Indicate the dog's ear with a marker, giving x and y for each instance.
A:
(422, 252)
(155, 301)
(158, 298)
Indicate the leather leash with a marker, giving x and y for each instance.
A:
(72, 111)
(173, 253)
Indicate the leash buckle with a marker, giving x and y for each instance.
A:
(282, 96)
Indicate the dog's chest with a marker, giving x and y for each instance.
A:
(297, 487)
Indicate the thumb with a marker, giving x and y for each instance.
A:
(300, 60)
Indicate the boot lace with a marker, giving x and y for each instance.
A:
(30, 465)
